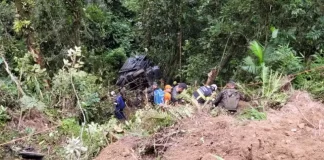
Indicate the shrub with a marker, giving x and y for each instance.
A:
(3, 115)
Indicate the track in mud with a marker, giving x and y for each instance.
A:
(293, 133)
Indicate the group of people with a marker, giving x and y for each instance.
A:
(168, 96)
(227, 98)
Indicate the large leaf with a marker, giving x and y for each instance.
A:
(257, 50)
(30, 102)
(249, 65)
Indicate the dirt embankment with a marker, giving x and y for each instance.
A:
(293, 133)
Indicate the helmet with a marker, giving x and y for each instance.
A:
(213, 87)
(112, 93)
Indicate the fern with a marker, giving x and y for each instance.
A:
(264, 77)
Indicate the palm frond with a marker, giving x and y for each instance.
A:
(249, 65)
(257, 50)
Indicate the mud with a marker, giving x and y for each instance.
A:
(293, 133)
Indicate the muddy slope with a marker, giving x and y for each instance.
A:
(294, 133)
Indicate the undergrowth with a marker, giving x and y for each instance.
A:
(253, 114)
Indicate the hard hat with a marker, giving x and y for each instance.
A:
(112, 93)
(168, 87)
(213, 87)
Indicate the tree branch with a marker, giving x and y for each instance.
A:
(13, 78)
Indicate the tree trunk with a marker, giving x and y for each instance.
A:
(30, 36)
(211, 76)
(31, 42)
(214, 72)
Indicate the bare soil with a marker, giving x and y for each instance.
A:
(31, 119)
(293, 133)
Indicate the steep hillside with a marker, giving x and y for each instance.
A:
(294, 132)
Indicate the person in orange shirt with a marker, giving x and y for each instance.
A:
(167, 94)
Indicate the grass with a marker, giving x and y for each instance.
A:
(253, 114)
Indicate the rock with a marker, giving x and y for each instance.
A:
(301, 125)
(294, 130)
(308, 129)
(267, 157)
(126, 153)
(287, 133)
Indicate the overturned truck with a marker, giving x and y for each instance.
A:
(138, 72)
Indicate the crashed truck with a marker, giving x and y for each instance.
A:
(138, 72)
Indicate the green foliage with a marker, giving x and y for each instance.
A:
(257, 50)
(32, 75)
(3, 115)
(28, 103)
(19, 24)
(181, 112)
(146, 122)
(197, 68)
(186, 38)
(70, 127)
(249, 65)
(75, 150)
(271, 84)
(268, 94)
(8, 93)
(253, 114)
(154, 120)
(312, 81)
(284, 60)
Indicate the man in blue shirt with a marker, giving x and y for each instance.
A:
(120, 105)
(156, 94)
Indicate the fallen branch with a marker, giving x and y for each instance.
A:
(310, 123)
(22, 138)
(163, 145)
(79, 105)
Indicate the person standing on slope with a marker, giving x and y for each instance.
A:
(203, 94)
(120, 105)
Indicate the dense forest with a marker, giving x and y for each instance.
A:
(60, 57)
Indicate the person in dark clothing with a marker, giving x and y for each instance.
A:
(176, 91)
(204, 93)
(120, 105)
(150, 92)
(228, 98)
